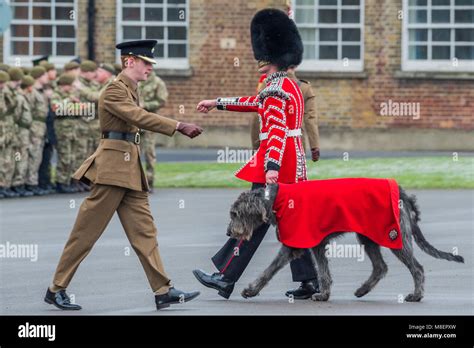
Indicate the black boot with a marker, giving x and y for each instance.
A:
(20, 189)
(174, 296)
(62, 188)
(61, 300)
(2, 192)
(9, 193)
(36, 190)
(215, 281)
(305, 291)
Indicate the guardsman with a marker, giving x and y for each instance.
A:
(153, 96)
(7, 133)
(65, 99)
(119, 183)
(277, 46)
(22, 118)
(39, 111)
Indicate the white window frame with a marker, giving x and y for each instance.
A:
(335, 65)
(24, 60)
(449, 65)
(162, 63)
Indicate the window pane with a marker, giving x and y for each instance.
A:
(327, 52)
(441, 52)
(418, 52)
(159, 51)
(308, 35)
(309, 52)
(175, 1)
(154, 1)
(65, 49)
(20, 12)
(417, 3)
(351, 52)
(327, 34)
(328, 2)
(65, 31)
(464, 2)
(417, 16)
(418, 34)
(464, 16)
(440, 16)
(350, 34)
(441, 35)
(350, 2)
(64, 13)
(155, 33)
(304, 16)
(350, 16)
(131, 14)
(131, 1)
(20, 30)
(154, 14)
(304, 2)
(41, 13)
(440, 2)
(177, 33)
(20, 48)
(42, 30)
(177, 14)
(42, 48)
(176, 51)
(327, 16)
(464, 34)
(464, 52)
(132, 33)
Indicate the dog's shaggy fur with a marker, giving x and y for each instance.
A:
(253, 208)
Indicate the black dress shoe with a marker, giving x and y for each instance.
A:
(61, 300)
(215, 281)
(22, 191)
(174, 296)
(305, 291)
(9, 193)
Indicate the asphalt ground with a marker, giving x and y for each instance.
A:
(191, 225)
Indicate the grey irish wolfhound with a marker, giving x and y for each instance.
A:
(253, 208)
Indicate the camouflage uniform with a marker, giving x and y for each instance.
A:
(87, 129)
(153, 95)
(7, 137)
(23, 121)
(39, 110)
(67, 142)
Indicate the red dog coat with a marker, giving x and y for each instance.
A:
(309, 211)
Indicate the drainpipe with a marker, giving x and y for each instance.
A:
(91, 29)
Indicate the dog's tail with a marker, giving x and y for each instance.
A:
(420, 238)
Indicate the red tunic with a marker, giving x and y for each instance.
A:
(309, 211)
(280, 106)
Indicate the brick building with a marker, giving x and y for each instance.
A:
(388, 74)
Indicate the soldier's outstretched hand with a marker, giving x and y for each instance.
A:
(189, 129)
(206, 105)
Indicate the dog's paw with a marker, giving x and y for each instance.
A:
(320, 297)
(249, 292)
(413, 298)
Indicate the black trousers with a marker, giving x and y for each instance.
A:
(44, 173)
(235, 255)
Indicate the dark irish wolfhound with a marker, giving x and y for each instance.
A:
(252, 208)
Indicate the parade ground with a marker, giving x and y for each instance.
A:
(191, 228)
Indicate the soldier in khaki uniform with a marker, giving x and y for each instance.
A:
(310, 118)
(7, 131)
(39, 111)
(119, 183)
(64, 97)
(22, 121)
(153, 96)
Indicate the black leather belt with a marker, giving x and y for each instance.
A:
(131, 137)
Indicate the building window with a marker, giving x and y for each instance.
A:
(163, 20)
(438, 35)
(332, 32)
(41, 28)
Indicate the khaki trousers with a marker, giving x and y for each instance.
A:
(94, 215)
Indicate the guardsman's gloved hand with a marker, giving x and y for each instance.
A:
(315, 154)
(189, 129)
